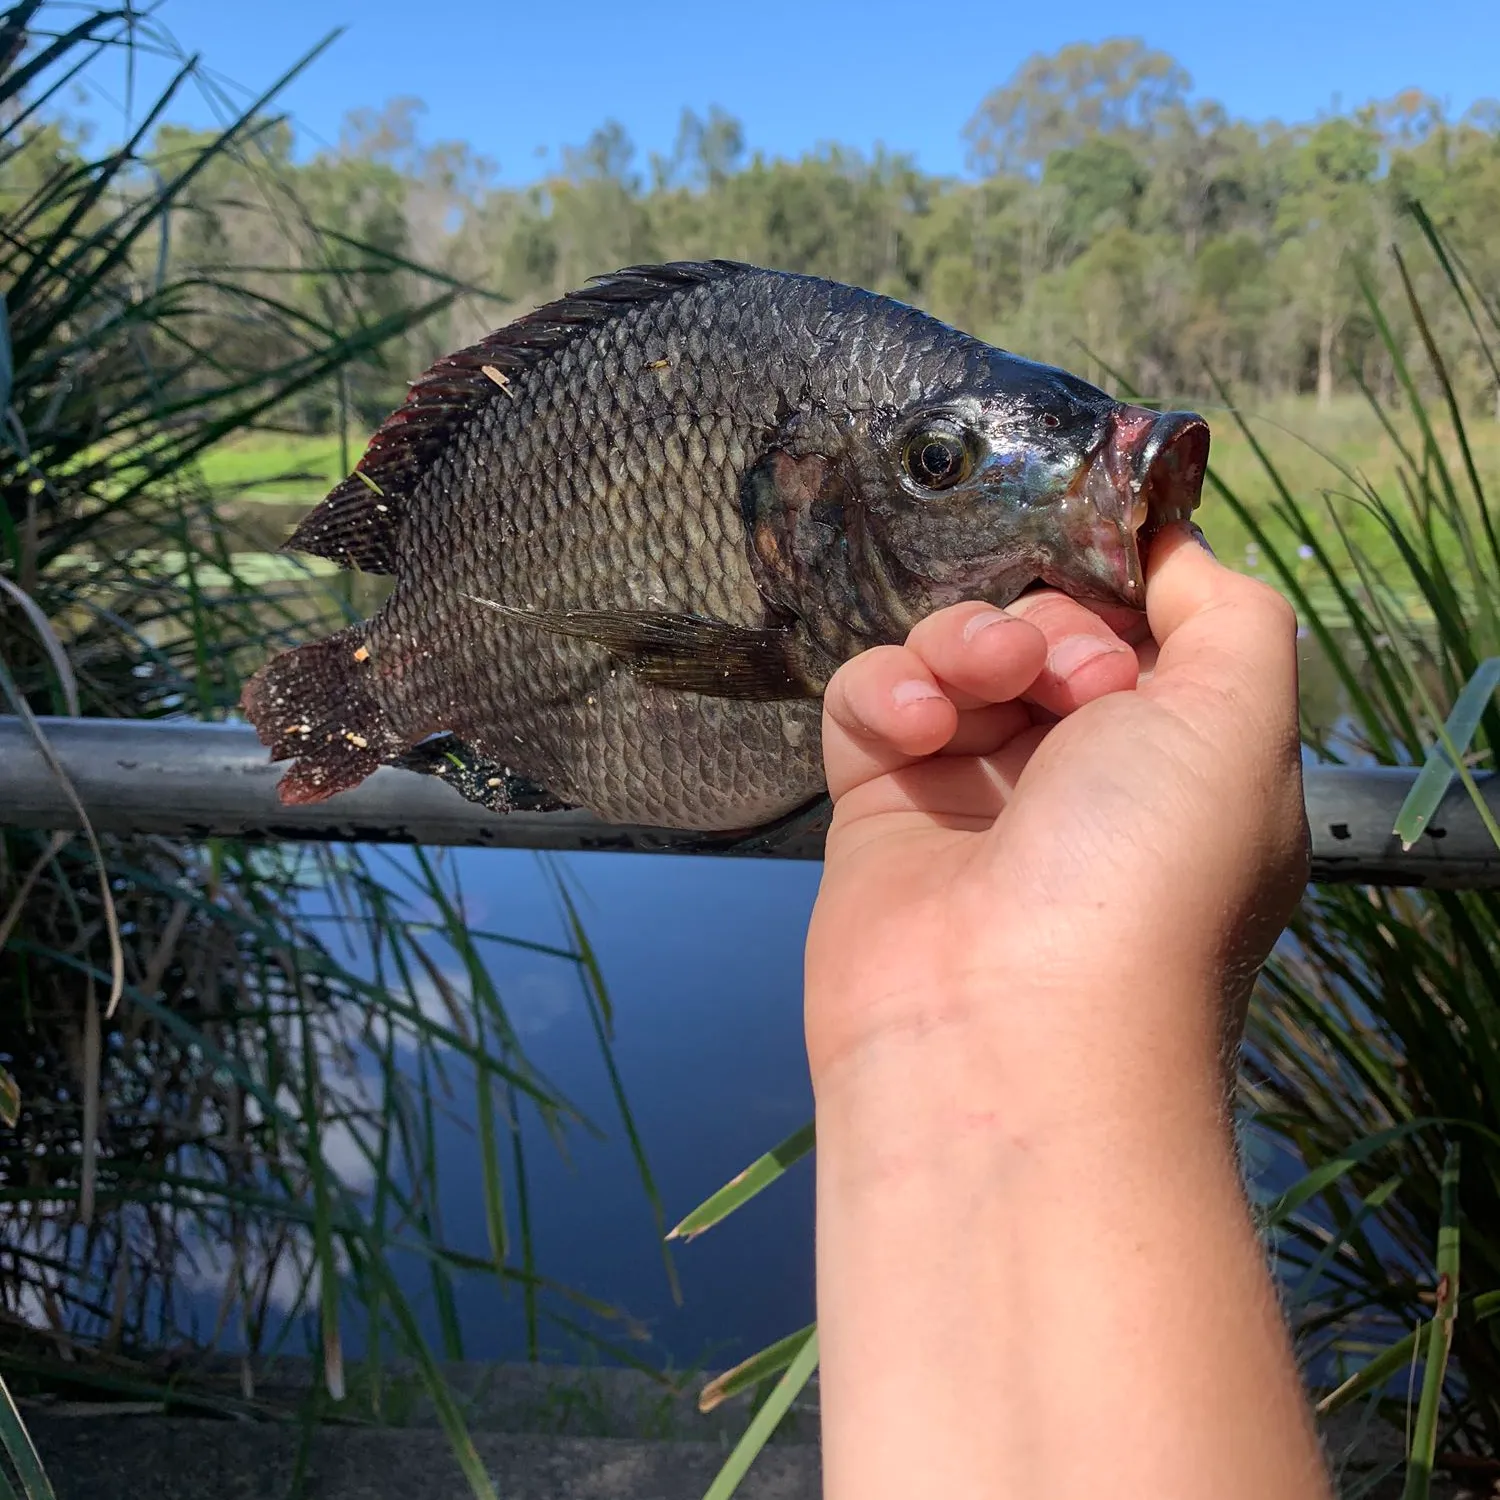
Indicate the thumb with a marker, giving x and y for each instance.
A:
(1220, 632)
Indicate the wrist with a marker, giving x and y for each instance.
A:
(951, 1105)
(990, 1044)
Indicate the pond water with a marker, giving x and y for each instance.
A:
(703, 962)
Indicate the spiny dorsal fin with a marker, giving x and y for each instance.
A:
(357, 524)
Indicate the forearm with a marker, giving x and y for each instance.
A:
(1037, 1275)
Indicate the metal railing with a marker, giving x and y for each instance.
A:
(192, 780)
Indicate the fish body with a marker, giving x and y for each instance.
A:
(634, 533)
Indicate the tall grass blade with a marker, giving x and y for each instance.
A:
(1329, 1173)
(1439, 1338)
(1456, 422)
(66, 681)
(1441, 765)
(601, 1018)
(1347, 1237)
(771, 1360)
(798, 1372)
(739, 1190)
(7, 370)
(22, 709)
(21, 1450)
(489, 1156)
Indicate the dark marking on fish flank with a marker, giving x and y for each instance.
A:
(358, 524)
(800, 511)
(686, 652)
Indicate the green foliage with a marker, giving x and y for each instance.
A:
(252, 1130)
(1116, 222)
(1374, 1046)
(1445, 759)
(1121, 88)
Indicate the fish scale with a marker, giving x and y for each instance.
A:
(634, 533)
(552, 708)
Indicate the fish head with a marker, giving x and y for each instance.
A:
(1025, 475)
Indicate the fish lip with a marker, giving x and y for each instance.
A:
(1146, 474)
(1169, 468)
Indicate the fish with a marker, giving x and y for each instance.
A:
(633, 534)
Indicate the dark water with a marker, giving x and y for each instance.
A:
(703, 960)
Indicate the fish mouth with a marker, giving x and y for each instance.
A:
(1147, 474)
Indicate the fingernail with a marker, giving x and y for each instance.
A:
(913, 691)
(983, 620)
(1068, 655)
(1196, 532)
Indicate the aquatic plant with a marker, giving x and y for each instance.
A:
(222, 1067)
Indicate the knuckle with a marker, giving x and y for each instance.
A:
(1052, 612)
(943, 624)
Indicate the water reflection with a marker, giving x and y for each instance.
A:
(703, 958)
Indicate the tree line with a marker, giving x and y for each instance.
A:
(1111, 221)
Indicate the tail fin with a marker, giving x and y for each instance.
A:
(316, 707)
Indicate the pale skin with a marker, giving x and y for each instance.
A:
(1050, 879)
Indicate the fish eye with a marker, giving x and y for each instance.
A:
(1049, 420)
(937, 457)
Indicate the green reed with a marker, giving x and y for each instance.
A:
(222, 1067)
(1373, 1049)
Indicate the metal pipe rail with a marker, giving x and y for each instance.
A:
(192, 780)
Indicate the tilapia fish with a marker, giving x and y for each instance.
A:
(634, 533)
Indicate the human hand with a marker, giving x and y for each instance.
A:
(1042, 810)
(1050, 879)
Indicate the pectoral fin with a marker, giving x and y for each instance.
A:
(689, 652)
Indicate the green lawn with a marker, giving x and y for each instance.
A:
(279, 467)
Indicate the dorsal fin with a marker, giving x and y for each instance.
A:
(357, 524)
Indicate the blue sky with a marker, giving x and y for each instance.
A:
(516, 81)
